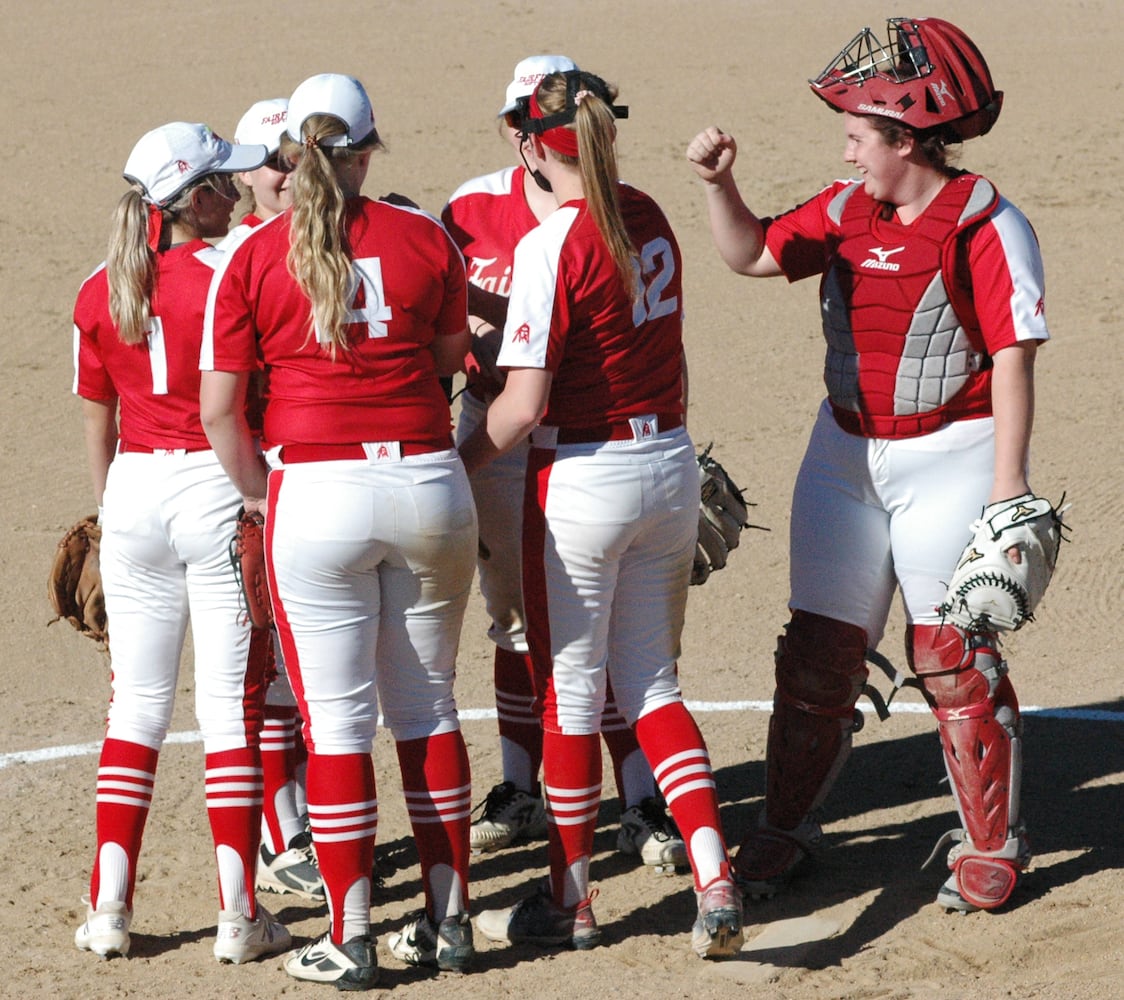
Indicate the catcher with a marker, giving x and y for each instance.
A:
(932, 301)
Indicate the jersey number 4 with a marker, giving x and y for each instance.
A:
(653, 273)
(366, 273)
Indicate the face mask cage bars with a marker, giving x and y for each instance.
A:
(865, 57)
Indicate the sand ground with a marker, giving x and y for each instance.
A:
(93, 77)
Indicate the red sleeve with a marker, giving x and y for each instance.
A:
(91, 380)
(799, 238)
(453, 317)
(229, 331)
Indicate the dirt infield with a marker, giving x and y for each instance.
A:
(84, 81)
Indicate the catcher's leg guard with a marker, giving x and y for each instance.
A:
(820, 674)
(965, 682)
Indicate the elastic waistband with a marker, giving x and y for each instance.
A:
(369, 451)
(639, 428)
(125, 448)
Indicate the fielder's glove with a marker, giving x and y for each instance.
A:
(991, 592)
(247, 556)
(74, 581)
(723, 513)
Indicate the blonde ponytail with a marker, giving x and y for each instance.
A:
(130, 266)
(319, 254)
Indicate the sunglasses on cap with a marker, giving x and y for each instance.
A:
(517, 116)
(280, 164)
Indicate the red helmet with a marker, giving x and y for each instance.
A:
(928, 75)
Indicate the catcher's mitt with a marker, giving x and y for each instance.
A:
(723, 513)
(74, 581)
(247, 556)
(989, 590)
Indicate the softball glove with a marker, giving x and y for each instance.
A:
(1006, 567)
(247, 557)
(723, 513)
(74, 581)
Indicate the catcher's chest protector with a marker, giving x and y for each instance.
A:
(899, 347)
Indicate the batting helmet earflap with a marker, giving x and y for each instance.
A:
(928, 75)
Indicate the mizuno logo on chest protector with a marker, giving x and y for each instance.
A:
(883, 263)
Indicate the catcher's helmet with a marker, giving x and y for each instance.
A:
(928, 75)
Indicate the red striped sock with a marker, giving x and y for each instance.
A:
(517, 720)
(280, 822)
(572, 779)
(126, 774)
(438, 788)
(677, 752)
(344, 812)
(234, 802)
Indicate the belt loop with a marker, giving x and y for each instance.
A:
(383, 451)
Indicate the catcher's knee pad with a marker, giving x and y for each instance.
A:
(965, 681)
(820, 674)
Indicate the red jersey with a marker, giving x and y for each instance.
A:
(486, 217)
(612, 356)
(157, 380)
(912, 314)
(409, 289)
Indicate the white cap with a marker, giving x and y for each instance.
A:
(169, 158)
(528, 75)
(263, 123)
(333, 94)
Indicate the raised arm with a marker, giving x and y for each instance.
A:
(737, 232)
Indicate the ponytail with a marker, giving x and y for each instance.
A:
(319, 253)
(130, 266)
(594, 122)
(130, 258)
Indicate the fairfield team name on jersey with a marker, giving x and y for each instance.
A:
(880, 261)
(497, 284)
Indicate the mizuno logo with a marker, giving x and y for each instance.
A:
(941, 92)
(882, 263)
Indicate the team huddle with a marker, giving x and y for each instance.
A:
(300, 368)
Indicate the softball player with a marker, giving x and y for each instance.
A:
(487, 216)
(287, 863)
(355, 308)
(167, 512)
(593, 351)
(933, 307)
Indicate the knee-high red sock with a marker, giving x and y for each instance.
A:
(281, 821)
(344, 811)
(126, 774)
(435, 778)
(677, 753)
(519, 727)
(234, 799)
(631, 773)
(572, 779)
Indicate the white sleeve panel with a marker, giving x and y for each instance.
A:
(207, 345)
(1024, 265)
(534, 281)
